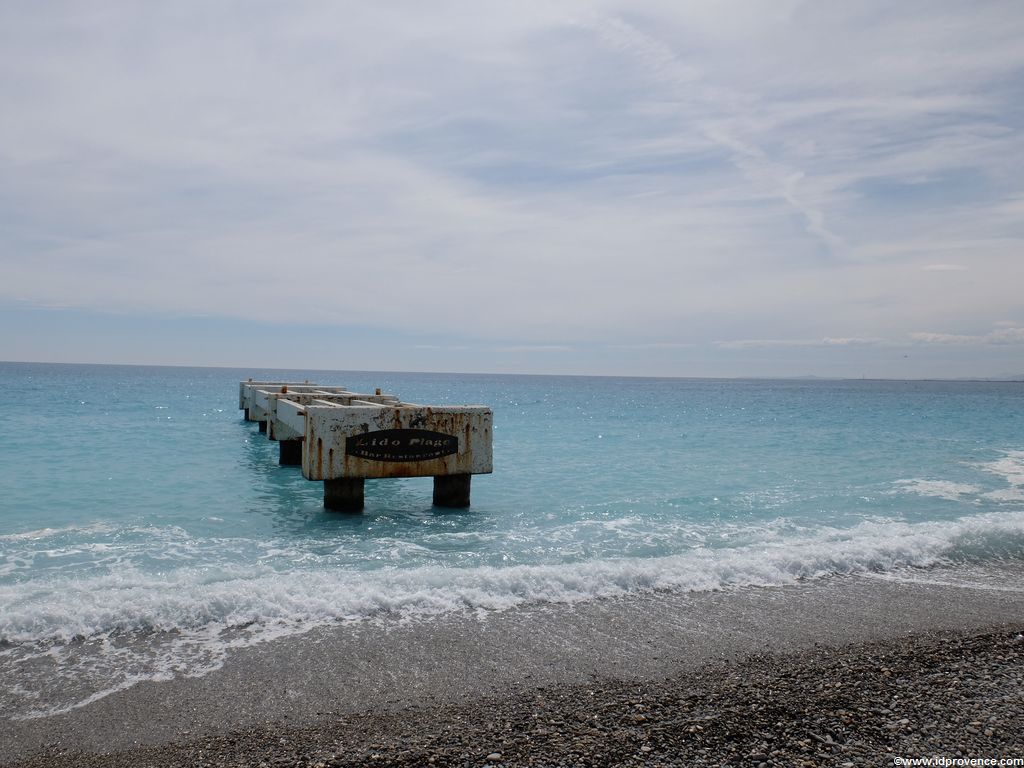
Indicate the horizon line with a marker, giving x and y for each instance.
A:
(1014, 378)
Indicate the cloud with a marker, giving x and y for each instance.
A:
(654, 345)
(1000, 336)
(945, 338)
(684, 83)
(534, 348)
(1006, 336)
(850, 342)
(825, 342)
(612, 174)
(764, 343)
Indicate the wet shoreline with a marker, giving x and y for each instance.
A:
(373, 672)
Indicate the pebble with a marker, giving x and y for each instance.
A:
(775, 710)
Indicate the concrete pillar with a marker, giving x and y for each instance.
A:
(247, 415)
(291, 453)
(344, 494)
(263, 427)
(451, 490)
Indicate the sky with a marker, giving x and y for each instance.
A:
(620, 188)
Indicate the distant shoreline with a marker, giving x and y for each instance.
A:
(366, 673)
(247, 370)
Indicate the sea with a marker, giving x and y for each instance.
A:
(147, 531)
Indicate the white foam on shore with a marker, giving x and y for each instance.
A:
(1011, 468)
(195, 597)
(940, 489)
(44, 533)
(110, 631)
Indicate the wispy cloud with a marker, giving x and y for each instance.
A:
(825, 342)
(722, 109)
(534, 348)
(1000, 336)
(635, 177)
(654, 345)
(945, 338)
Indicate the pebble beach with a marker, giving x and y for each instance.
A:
(950, 695)
(807, 676)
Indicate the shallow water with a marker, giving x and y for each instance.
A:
(146, 529)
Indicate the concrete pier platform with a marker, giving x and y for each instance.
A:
(343, 438)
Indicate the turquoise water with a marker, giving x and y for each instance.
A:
(146, 528)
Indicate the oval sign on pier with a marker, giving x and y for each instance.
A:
(401, 445)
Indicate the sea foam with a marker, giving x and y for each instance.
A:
(89, 638)
(128, 599)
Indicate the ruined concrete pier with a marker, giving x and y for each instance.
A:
(344, 438)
